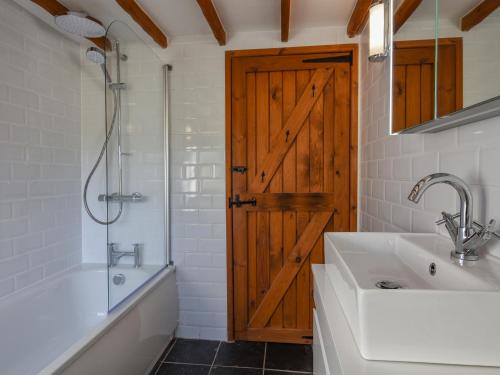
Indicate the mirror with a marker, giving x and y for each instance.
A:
(414, 65)
(475, 31)
(446, 55)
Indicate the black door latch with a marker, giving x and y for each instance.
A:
(238, 203)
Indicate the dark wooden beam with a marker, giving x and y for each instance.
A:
(144, 21)
(285, 19)
(479, 13)
(210, 13)
(52, 6)
(101, 42)
(404, 11)
(359, 17)
(55, 8)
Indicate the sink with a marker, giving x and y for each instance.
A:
(440, 311)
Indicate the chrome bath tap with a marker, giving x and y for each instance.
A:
(115, 255)
(468, 235)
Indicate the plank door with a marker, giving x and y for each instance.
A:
(413, 84)
(292, 179)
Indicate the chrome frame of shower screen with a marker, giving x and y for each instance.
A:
(166, 159)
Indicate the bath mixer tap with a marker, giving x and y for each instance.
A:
(114, 255)
(468, 235)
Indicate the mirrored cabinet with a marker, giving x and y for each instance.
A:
(445, 63)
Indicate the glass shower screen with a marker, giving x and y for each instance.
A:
(136, 163)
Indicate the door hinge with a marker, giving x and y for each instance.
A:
(238, 203)
(239, 169)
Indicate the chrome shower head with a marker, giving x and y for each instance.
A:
(79, 23)
(96, 55)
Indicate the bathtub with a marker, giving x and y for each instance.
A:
(62, 326)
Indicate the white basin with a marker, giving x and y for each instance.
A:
(451, 317)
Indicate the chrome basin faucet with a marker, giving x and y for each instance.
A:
(468, 236)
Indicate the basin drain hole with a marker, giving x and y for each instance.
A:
(387, 284)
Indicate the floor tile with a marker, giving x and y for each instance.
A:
(178, 369)
(193, 351)
(241, 354)
(235, 371)
(278, 372)
(289, 357)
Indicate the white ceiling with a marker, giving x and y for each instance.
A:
(184, 17)
(256, 15)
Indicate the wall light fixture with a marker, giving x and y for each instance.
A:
(378, 29)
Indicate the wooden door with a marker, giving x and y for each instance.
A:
(292, 162)
(414, 64)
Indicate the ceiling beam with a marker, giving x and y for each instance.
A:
(478, 13)
(52, 6)
(210, 13)
(285, 19)
(404, 11)
(358, 18)
(55, 8)
(101, 42)
(144, 21)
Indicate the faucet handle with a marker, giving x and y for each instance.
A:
(112, 245)
(479, 238)
(489, 230)
(491, 225)
(451, 226)
(447, 217)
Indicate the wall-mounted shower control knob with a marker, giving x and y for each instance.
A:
(136, 196)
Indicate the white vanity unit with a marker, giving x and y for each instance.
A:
(423, 328)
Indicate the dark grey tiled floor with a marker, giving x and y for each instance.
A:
(203, 357)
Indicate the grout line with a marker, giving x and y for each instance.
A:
(188, 363)
(158, 364)
(215, 357)
(168, 351)
(242, 367)
(289, 371)
(264, 361)
(225, 366)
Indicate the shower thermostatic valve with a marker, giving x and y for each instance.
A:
(116, 197)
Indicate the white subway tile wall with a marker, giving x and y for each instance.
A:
(390, 165)
(198, 187)
(198, 170)
(40, 225)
